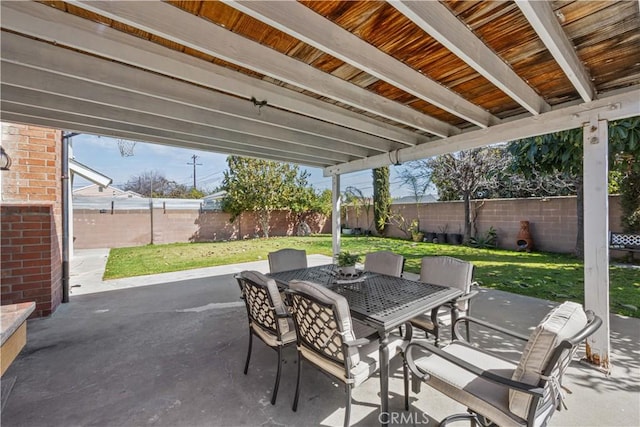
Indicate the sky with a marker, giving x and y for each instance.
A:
(102, 154)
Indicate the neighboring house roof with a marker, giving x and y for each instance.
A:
(89, 174)
(215, 196)
(94, 190)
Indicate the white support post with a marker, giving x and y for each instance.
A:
(335, 215)
(596, 234)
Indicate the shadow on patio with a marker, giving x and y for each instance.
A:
(172, 354)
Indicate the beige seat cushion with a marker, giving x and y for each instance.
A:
(561, 323)
(369, 360)
(480, 395)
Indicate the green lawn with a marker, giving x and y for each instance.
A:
(550, 276)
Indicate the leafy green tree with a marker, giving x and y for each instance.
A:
(381, 198)
(262, 186)
(562, 152)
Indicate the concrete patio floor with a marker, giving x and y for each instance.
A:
(169, 350)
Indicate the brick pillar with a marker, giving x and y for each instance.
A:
(31, 218)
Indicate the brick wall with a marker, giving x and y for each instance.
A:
(31, 218)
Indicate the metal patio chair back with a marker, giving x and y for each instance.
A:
(384, 262)
(451, 272)
(268, 317)
(287, 259)
(331, 341)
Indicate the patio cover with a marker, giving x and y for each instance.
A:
(343, 86)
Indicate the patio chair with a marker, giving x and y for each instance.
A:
(384, 262)
(451, 272)
(269, 318)
(287, 259)
(498, 391)
(331, 341)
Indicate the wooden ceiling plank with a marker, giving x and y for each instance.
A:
(49, 24)
(544, 21)
(570, 116)
(181, 27)
(438, 21)
(306, 25)
(143, 131)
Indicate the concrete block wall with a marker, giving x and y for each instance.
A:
(31, 218)
(553, 221)
(123, 228)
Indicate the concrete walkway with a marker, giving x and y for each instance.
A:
(169, 350)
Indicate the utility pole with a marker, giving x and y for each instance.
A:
(193, 162)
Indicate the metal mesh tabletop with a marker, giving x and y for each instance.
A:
(382, 301)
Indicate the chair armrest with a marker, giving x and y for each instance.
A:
(359, 342)
(486, 325)
(283, 315)
(467, 296)
(424, 376)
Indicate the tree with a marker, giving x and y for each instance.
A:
(262, 186)
(418, 179)
(381, 198)
(460, 175)
(562, 152)
(155, 184)
(356, 197)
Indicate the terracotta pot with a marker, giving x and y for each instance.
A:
(524, 239)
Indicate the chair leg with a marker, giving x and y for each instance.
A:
(246, 365)
(275, 387)
(405, 377)
(295, 399)
(347, 412)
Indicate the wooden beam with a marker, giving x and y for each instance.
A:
(97, 113)
(438, 21)
(304, 24)
(596, 236)
(544, 21)
(157, 103)
(63, 29)
(39, 117)
(335, 216)
(171, 23)
(618, 106)
(43, 56)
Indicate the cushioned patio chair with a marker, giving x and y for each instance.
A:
(501, 392)
(451, 272)
(384, 262)
(269, 318)
(287, 259)
(331, 341)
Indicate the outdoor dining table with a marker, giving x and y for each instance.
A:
(380, 301)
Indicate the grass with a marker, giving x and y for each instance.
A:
(550, 276)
